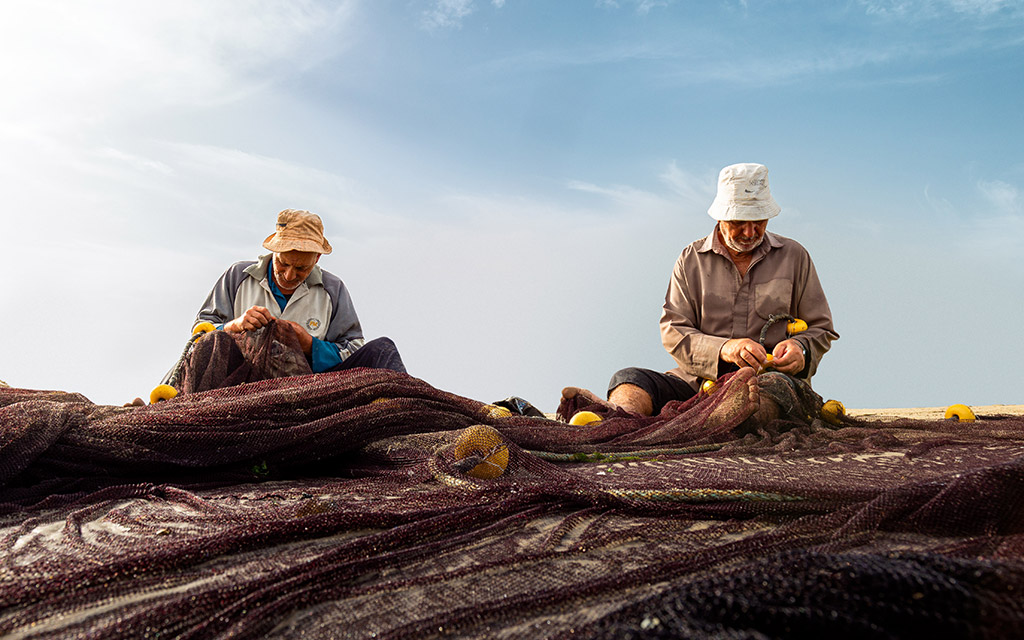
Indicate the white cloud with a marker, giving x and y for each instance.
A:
(695, 190)
(642, 6)
(447, 14)
(85, 62)
(1005, 198)
(936, 8)
(635, 202)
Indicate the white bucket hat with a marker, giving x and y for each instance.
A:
(743, 194)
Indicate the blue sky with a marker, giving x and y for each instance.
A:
(507, 184)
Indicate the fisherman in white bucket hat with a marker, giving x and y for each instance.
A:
(726, 296)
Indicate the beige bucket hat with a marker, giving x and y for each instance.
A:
(298, 230)
(743, 194)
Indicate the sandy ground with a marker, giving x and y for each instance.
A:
(934, 413)
(923, 413)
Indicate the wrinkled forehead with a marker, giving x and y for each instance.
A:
(297, 259)
(736, 224)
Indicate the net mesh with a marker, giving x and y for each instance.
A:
(336, 505)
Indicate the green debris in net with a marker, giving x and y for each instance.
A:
(623, 456)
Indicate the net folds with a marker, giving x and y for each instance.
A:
(342, 505)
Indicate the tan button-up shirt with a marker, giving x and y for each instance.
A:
(708, 303)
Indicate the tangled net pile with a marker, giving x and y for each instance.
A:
(333, 506)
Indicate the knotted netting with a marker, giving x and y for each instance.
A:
(333, 506)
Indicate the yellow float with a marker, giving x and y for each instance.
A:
(833, 412)
(960, 412)
(583, 418)
(162, 392)
(484, 442)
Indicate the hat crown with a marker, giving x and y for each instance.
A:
(298, 230)
(744, 181)
(744, 194)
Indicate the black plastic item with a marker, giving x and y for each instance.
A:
(517, 405)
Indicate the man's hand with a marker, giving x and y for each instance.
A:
(788, 357)
(305, 340)
(744, 352)
(253, 318)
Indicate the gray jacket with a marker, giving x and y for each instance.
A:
(321, 304)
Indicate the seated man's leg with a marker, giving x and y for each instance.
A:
(644, 391)
(380, 353)
(640, 391)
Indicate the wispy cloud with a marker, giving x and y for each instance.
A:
(449, 14)
(79, 62)
(1005, 198)
(641, 6)
(873, 47)
(446, 14)
(936, 8)
(694, 190)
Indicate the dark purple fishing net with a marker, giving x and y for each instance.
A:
(332, 506)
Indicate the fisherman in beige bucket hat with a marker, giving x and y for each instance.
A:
(725, 296)
(289, 287)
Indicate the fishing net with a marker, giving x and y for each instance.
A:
(367, 503)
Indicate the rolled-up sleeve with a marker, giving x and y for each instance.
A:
(811, 306)
(694, 351)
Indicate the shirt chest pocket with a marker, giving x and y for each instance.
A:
(773, 297)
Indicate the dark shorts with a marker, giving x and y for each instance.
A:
(662, 387)
(379, 353)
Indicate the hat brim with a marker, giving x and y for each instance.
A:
(277, 244)
(743, 212)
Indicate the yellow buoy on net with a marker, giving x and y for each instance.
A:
(494, 411)
(162, 392)
(583, 418)
(796, 325)
(482, 441)
(833, 412)
(708, 387)
(204, 327)
(960, 412)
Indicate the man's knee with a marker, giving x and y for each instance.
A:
(634, 376)
(632, 398)
(384, 343)
(379, 353)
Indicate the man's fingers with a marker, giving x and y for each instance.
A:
(750, 356)
(256, 317)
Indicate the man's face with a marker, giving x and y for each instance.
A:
(742, 236)
(291, 269)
